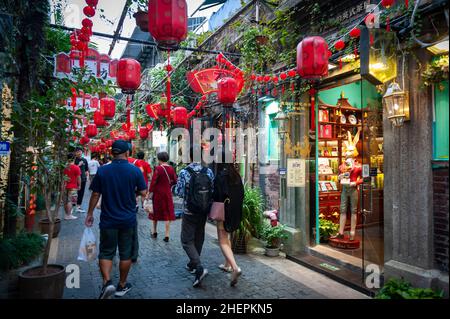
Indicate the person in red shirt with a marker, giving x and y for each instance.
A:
(72, 185)
(144, 166)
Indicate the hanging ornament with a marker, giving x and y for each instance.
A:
(89, 11)
(312, 58)
(339, 45)
(369, 20)
(92, 3)
(87, 23)
(312, 94)
(387, 4)
(292, 73)
(355, 33)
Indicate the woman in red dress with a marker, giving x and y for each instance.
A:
(163, 179)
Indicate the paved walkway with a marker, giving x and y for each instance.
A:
(160, 271)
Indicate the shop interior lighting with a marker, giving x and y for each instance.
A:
(439, 48)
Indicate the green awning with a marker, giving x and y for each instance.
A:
(209, 4)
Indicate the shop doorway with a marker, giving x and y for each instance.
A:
(349, 162)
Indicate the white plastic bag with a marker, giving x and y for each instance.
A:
(148, 206)
(88, 246)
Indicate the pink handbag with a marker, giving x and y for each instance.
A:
(217, 211)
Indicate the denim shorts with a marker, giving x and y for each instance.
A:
(110, 239)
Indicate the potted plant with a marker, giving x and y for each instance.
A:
(251, 222)
(273, 236)
(327, 229)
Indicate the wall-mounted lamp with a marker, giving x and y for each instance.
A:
(282, 119)
(396, 103)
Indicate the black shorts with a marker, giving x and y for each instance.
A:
(110, 239)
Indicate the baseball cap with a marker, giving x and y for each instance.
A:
(119, 147)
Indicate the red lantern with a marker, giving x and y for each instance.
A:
(387, 3)
(128, 75)
(84, 140)
(125, 127)
(228, 90)
(355, 32)
(339, 45)
(312, 58)
(132, 134)
(152, 110)
(180, 116)
(167, 21)
(253, 77)
(91, 130)
(143, 132)
(275, 79)
(267, 78)
(292, 73)
(89, 11)
(99, 120)
(283, 76)
(108, 108)
(92, 3)
(87, 23)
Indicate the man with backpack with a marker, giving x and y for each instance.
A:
(195, 185)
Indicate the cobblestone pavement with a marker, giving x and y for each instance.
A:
(160, 273)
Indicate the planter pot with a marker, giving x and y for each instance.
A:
(239, 244)
(33, 284)
(141, 20)
(272, 252)
(324, 239)
(44, 225)
(262, 39)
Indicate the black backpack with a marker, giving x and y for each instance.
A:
(199, 192)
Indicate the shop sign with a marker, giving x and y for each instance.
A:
(4, 148)
(159, 139)
(353, 11)
(282, 171)
(296, 172)
(365, 170)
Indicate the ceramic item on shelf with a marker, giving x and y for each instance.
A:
(352, 119)
(343, 119)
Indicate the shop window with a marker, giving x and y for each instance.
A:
(440, 125)
(273, 153)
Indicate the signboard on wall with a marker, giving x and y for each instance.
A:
(296, 176)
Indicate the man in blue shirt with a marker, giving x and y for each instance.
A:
(193, 223)
(118, 183)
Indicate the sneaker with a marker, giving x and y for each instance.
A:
(79, 210)
(121, 291)
(190, 269)
(234, 277)
(225, 269)
(199, 277)
(70, 217)
(166, 239)
(108, 290)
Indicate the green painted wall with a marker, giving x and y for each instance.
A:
(441, 124)
(351, 91)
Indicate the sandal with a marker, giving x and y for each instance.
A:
(154, 235)
(225, 269)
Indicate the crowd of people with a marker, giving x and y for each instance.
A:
(119, 185)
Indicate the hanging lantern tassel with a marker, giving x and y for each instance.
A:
(282, 89)
(406, 4)
(371, 39)
(293, 87)
(388, 24)
(312, 94)
(128, 112)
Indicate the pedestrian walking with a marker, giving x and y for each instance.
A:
(93, 166)
(160, 190)
(117, 183)
(72, 184)
(227, 211)
(83, 164)
(144, 166)
(195, 185)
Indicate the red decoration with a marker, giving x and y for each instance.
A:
(152, 110)
(132, 134)
(108, 108)
(92, 3)
(339, 45)
(143, 132)
(292, 73)
(253, 77)
(89, 11)
(99, 120)
(369, 20)
(312, 58)
(312, 94)
(84, 140)
(91, 130)
(128, 75)
(87, 23)
(180, 116)
(275, 79)
(267, 78)
(355, 32)
(167, 21)
(125, 127)
(283, 76)
(228, 90)
(260, 78)
(387, 3)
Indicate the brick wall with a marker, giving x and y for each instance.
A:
(440, 218)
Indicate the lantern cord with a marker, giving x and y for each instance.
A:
(411, 25)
